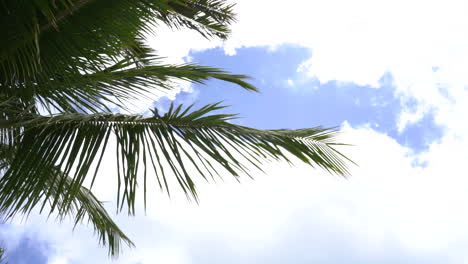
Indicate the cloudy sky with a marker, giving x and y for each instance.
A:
(391, 74)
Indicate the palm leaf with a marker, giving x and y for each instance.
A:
(94, 92)
(170, 142)
(43, 38)
(78, 56)
(83, 205)
(135, 75)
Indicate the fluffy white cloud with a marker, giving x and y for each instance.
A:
(359, 41)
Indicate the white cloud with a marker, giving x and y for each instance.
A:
(58, 260)
(359, 41)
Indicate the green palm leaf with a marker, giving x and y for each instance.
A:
(75, 142)
(94, 92)
(42, 38)
(82, 206)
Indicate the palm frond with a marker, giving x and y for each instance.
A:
(119, 84)
(136, 74)
(82, 206)
(42, 38)
(77, 57)
(210, 18)
(170, 142)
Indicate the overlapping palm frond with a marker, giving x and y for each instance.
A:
(122, 84)
(45, 37)
(69, 60)
(81, 207)
(80, 56)
(89, 61)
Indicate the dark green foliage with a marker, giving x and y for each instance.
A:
(64, 62)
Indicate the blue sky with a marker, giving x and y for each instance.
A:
(28, 250)
(304, 102)
(395, 87)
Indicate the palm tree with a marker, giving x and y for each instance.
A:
(65, 63)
